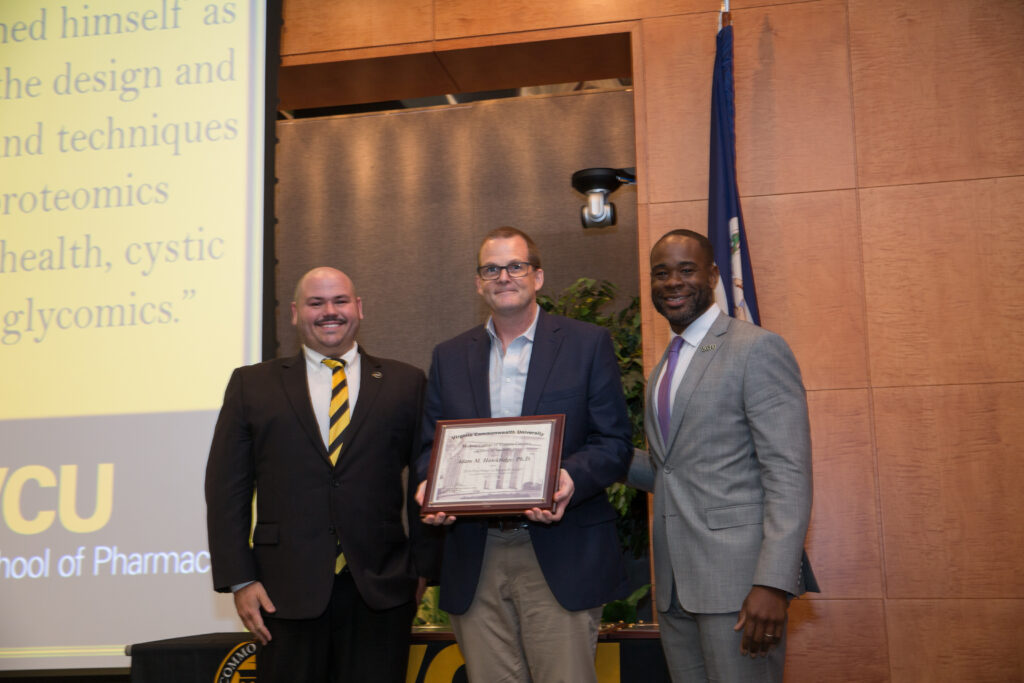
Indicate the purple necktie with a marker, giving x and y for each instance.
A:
(664, 405)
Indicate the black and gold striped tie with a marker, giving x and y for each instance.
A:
(339, 420)
(339, 407)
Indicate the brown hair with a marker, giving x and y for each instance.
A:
(506, 232)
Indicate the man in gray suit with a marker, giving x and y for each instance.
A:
(730, 468)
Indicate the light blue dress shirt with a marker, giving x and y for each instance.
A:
(507, 373)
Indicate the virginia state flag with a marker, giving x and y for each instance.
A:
(735, 293)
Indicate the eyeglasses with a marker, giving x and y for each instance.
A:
(514, 269)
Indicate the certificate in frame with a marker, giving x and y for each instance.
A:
(496, 466)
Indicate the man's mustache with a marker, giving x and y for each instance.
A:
(331, 319)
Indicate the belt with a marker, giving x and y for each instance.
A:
(507, 523)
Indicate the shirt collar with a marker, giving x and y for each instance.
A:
(530, 332)
(699, 328)
(316, 358)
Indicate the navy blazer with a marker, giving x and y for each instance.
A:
(573, 371)
(267, 439)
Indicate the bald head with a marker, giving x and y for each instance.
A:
(318, 273)
(326, 311)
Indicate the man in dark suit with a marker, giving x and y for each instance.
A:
(730, 468)
(328, 581)
(525, 593)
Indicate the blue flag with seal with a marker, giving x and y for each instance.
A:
(735, 292)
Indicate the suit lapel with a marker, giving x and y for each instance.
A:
(546, 341)
(296, 389)
(702, 357)
(478, 361)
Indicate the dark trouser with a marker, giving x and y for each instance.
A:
(348, 643)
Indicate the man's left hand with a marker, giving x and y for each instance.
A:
(441, 518)
(762, 619)
(561, 500)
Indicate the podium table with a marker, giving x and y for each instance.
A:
(627, 655)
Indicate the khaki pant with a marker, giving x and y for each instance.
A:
(515, 631)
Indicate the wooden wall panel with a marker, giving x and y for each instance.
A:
(539, 62)
(357, 81)
(951, 641)
(806, 254)
(459, 66)
(843, 542)
(317, 26)
(639, 66)
(655, 334)
(459, 18)
(744, 4)
(794, 119)
(837, 641)
(942, 278)
(649, 9)
(938, 89)
(679, 56)
(951, 475)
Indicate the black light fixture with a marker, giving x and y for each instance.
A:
(597, 184)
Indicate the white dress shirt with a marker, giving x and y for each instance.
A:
(692, 336)
(318, 379)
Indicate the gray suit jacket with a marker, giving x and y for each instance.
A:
(732, 486)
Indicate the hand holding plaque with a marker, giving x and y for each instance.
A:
(497, 466)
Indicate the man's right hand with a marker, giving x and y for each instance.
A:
(248, 601)
(439, 519)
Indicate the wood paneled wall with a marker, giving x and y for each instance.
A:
(881, 166)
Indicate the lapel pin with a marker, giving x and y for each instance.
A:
(376, 374)
(708, 347)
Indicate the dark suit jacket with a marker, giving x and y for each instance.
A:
(573, 370)
(267, 440)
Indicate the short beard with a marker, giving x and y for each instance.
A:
(703, 297)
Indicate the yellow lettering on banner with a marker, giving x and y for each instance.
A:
(68, 496)
(447, 662)
(444, 665)
(13, 516)
(416, 655)
(607, 663)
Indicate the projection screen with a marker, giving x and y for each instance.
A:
(132, 149)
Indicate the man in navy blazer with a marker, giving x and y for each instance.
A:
(525, 593)
(315, 623)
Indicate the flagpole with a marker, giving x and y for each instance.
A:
(735, 293)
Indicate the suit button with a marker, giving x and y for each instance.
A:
(330, 530)
(335, 483)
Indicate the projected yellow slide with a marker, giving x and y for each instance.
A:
(128, 277)
(131, 216)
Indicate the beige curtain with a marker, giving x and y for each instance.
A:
(400, 201)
